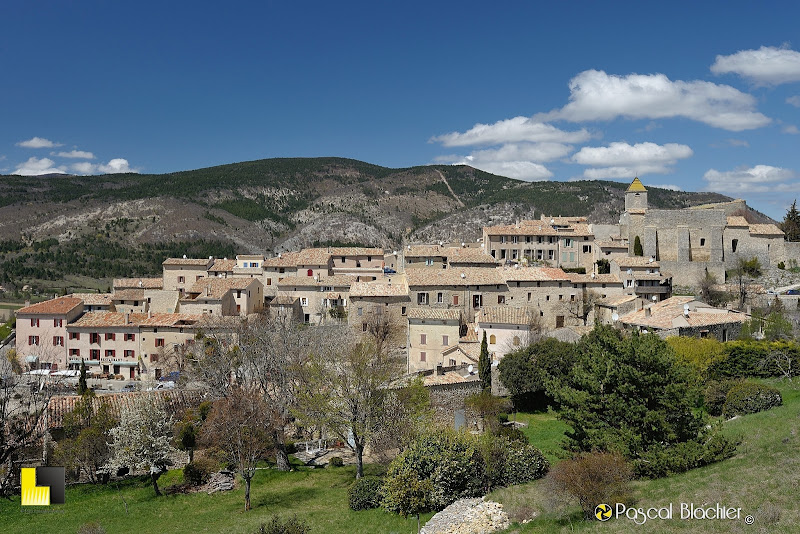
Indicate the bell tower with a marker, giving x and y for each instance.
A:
(636, 196)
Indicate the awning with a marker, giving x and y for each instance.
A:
(31, 359)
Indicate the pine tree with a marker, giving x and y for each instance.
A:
(637, 247)
(485, 366)
(791, 223)
(82, 386)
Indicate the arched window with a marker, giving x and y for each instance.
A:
(516, 340)
(492, 339)
(311, 272)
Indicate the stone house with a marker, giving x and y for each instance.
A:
(466, 289)
(179, 274)
(431, 331)
(224, 297)
(318, 295)
(507, 328)
(642, 276)
(685, 316)
(41, 332)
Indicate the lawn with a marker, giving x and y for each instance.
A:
(763, 478)
(318, 496)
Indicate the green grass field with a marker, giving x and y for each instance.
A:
(763, 479)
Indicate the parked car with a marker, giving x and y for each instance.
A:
(170, 377)
(387, 270)
(162, 385)
(793, 292)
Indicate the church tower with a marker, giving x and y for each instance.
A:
(635, 196)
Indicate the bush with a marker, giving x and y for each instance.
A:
(524, 464)
(781, 265)
(681, 457)
(750, 397)
(291, 525)
(592, 478)
(198, 472)
(513, 434)
(336, 461)
(715, 394)
(365, 493)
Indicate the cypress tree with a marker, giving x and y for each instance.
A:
(791, 223)
(485, 366)
(82, 386)
(637, 247)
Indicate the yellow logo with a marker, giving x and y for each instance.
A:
(603, 512)
(50, 490)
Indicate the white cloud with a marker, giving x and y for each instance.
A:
(115, 166)
(38, 142)
(523, 152)
(766, 66)
(518, 129)
(671, 187)
(36, 167)
(77, 154)
(758, 179)
(621, 160)
(794, 101)
(595, 95)
(790, 129)
(521, 170)
(738, 142)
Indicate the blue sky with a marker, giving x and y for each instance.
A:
(691, 95)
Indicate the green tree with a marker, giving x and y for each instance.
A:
(637, 247)
(485, 365)
(407, 495)
(529, 372)
(791, 223)
(603, 266)
(82, 386)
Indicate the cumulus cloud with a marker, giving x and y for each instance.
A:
(38, 142)
(595, 95)
(115, 166)
(36, 167)
(758, 179)
(76, 154)
(790, 129)
(518, 129)
(766, 66)
(521, 170)
(794, 101)
(523, 152)
(671, 187)
(622, 160)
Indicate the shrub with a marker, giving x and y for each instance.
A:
(781, 265)
(291, 525)
(365, 493)
(198, 472)
(715, 394)
(336, 461)
(524, 464)
(592, 478)
(681, 457)
(750, 397)
(513, 434)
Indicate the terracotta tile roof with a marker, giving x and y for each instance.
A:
(173, 319)
(469, 349)
(339, 280)
(218, 287)
(737, 220)
(58, 306)
(424, 251)
(563, 220)
(650, 276)
(613, 302)
(398, 288)
(635, 261)
(128, 294)
(313, 256)
(576, 278)
(286, 259)
(222, 266)
(471, 335)
(669, 314)
(505, 315)
(541, 228)
(451, 377)
(117, 319)
(93, 299)
(765, 229)
(138, 283)
(284, 300)
(198, 262)
(434, 313)
(611, 244)
(472, 276)
(533, 274)
(355, 251)
(175, 403)
(457, 255)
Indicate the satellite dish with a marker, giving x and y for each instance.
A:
(463, 275)
(615, 317)
(655, 298)
(470, 369)
(594, 275)
(463, 244)
(184, 256)
(652, 259)
(630, 271)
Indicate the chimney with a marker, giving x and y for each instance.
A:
(127, 318)
(149, 314)
(27, 303)
(647, 312)
(439, 370)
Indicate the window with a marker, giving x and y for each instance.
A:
(129, 337)
(477, 301)
(94, 337)
(423, 339)
(181, 279)
(567, 242)
(35, 322)
(75, 335)
(734, 244)
(159, 342)
(559, 321)
(445, 341)
(109, 353)
(429, 261)
(516, 340)
(439, 298)
(572, 298)
(269, 281)
(403, 310)
(492, 339)
(587, 248)
(702, 241)
(561, 297)
(128, 354)
(529, 297)
(423, 356)
(452, 362)
(75, 353)
(363, 327)
(198, 277)
(135, 302)
(94, 354)
(501, 299)
(455, 300)
(58, 341)
(304, 301)
(58, 323)
(360, 311)
(33, 340)
(515, 239)
(342, 259)
(310, 272)
(154, 357)
(111, 336)
(422, 298)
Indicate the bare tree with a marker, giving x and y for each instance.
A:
(582, 306)
(384, 328)
(214, 359)
(239, 425)
(345, 391)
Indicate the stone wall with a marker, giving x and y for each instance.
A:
(447, 399)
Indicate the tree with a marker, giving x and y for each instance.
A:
(603, 266)
(407, 414)
(583, 306)
(791, 223)
(239, 426)
(706, 286)
(743, 273)
(87, 429)
(82, 386)
(637, 247)
(489, 407)
(485, 365)
(407, 495)
(143, 438)
(345, 390)
(529, 372)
